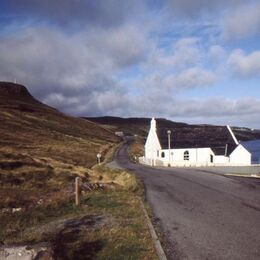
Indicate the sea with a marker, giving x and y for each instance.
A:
(253, 147)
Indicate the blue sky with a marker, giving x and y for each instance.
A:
(195, 61)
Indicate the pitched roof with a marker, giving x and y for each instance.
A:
(215, 137)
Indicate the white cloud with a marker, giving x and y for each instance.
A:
(187, 52)
(242, 22)
(49, 60)
(190, 78)
(59, 100)
(181, 54)
(245, 65)
(217, 54)
(218, 106)
(195, 8)
(214, 110)
(131, 59)
(194, 77)
(124, 46)
(75, 73)
(113, 102)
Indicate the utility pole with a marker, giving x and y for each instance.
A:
(169, 145)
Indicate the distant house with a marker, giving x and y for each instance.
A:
(175, 147)
(119, 133)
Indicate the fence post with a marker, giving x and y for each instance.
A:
(77, 191)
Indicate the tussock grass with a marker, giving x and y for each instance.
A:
(122, 178)
(111, 152)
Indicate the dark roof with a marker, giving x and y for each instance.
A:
(215, 137)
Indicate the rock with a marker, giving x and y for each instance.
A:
(5, 210)
(16, 210)
(40, 201)
(40, 251)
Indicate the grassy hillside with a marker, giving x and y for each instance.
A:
(41, 149)
(31, 128)
(133, 125)
(41, 152)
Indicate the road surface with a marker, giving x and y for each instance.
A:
(202, 215)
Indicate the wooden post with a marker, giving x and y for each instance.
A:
(77, 191)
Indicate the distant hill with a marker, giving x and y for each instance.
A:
(133, 125)
(140, 126)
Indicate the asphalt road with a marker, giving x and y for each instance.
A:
(202, 215)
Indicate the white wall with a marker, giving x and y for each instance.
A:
(152, 144)
(221, 160)
(197, 156)
(151, 162)
(240, 156)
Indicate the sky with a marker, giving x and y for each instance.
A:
(194, 61)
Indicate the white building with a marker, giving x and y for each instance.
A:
(162, 148)
(119, 133)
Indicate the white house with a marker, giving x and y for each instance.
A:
(215, 146)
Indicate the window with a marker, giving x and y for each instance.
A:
(186, 156)
(162, 154)
(211, 158)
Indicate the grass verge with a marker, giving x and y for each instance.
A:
(109, 224)
(136, 149)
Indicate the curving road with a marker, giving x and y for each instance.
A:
(202, 215)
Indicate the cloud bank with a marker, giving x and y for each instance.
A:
(185, 60)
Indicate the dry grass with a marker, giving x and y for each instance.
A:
(42, 150)
(41, 153)
(125, 180)
(122, 232)
(136, 149)
(45, 132)
(111, 152)
(44, 213)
